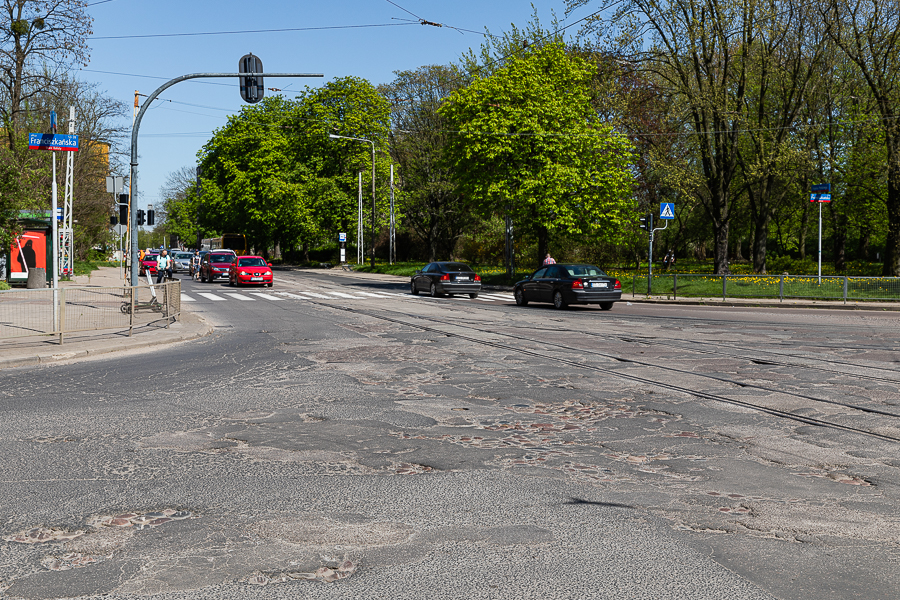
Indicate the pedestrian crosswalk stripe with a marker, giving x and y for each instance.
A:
(342, 295)
(497, 296)
(266, 296)
(315, 295)
(373, 295)
(240, 297)
(212, 297)
(294, 296)
(186, 298)
(483, 299)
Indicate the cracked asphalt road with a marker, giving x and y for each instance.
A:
(403, 448)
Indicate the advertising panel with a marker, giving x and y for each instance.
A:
(28, 251)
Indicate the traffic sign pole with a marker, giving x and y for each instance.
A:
(134, 145)
(820, 193)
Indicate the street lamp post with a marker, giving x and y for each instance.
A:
(343, 137)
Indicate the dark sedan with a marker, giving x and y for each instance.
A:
(569, 284)
(439, 278)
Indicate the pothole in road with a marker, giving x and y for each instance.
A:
(332, 571)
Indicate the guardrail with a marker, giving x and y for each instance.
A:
(812, 287)
(48, 312)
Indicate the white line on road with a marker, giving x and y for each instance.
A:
(186, 298)
(266, 296)
(483, 299)
(373, 295)
(342, 295)
(240, 297)
(315, 295)
(212, 297)
(294, 296)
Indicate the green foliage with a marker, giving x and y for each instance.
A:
(530, 145)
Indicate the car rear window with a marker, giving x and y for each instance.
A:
(457, 267)
(252, 262)
(584, 271)
(221, 258)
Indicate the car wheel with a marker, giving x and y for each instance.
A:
(451, 295)
(413, 289)
(520, 298)
(434, 292)
(558, 300)
(473, 296)
(202, 277)
(270, 284)
(606, 305)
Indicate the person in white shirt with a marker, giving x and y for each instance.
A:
(163, 264)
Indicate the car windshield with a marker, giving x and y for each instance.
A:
(221, 258)
(584, 271)
(152, 257)
(447, 267)
(252, 262)
(183, 255)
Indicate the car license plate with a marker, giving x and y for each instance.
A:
(598, 284)
(462, 279)
(256, 279)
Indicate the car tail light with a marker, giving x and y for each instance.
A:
(445, 277)
(478, 278)
(618, 285)
(578, 284)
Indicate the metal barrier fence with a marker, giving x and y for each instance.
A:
(845, 288)
(65, 310)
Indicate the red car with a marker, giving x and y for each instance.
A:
(149, 263)
(215, 265)
(249, 270)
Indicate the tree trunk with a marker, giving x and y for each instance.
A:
(720, 260)
(891, 266)
(543, 243)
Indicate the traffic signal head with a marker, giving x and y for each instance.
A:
(252, 87)
(645, 222)
(140, 217)
(123, 214)
(150, 217)
(113, 220)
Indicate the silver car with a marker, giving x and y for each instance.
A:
(181, 261)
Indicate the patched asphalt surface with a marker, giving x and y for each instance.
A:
(410, 448)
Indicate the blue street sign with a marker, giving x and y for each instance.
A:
(342, 237)
(53, 122)
(47, 141)
(821, 187)
(820, 197)
(667, 210)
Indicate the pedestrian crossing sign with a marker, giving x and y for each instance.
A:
(667, 210)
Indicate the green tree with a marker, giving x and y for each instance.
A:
(428, 198)
(528, 145)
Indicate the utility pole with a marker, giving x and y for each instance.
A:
(392, 241)
(67, 233)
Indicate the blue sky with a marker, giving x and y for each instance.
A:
(172, 132)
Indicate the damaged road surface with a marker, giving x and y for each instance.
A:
(387, 446)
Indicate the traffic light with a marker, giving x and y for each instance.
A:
(252, 88)
(123, 214)
(150, 217)
(646, 222)
(113, 220)
(140, 217)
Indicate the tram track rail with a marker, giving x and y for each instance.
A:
(761, 408)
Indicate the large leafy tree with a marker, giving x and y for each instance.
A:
(430, 201)
(527, 144)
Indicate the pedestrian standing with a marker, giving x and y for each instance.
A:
(672, 259)
(666, 260)
(549, 260)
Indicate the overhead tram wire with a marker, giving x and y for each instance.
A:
(246, 31)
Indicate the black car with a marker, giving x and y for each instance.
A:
(569, 284)
(439, 278)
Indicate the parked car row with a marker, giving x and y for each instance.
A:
(559, 284)
(240, 270)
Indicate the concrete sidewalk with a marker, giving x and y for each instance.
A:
(44, 349)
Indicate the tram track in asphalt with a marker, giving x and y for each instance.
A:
(808, 420)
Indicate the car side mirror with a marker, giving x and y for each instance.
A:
(418, 271)
(270, 264)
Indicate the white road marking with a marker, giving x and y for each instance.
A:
(499, 297)
(266, 296)
(212, 297)
(294, 296)
(240, 297)
(486, 299)
(342, 295)
(373, 295)
(186, 298)
(315, 295)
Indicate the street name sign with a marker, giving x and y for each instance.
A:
(667, 210)
(821, 187)
(342, 237)
(820, 197)
(48, 141)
